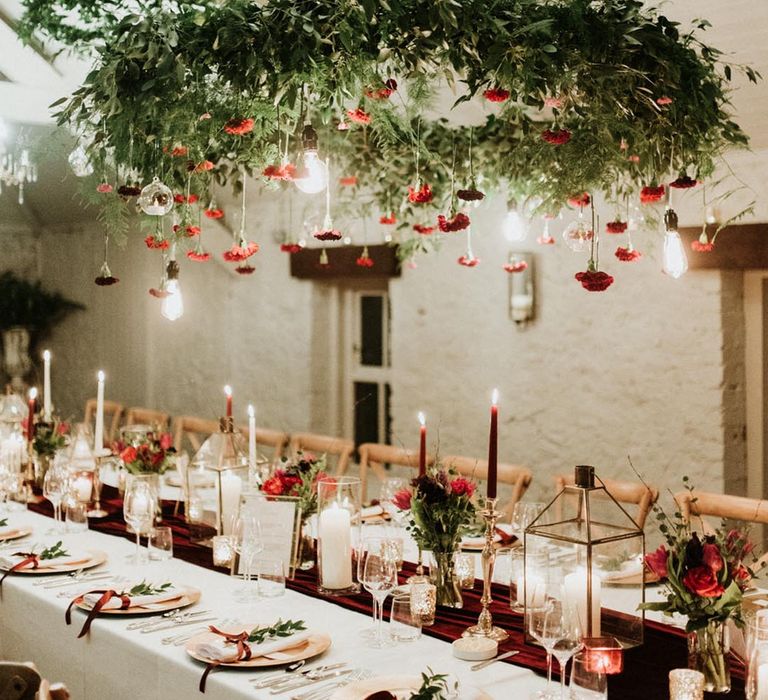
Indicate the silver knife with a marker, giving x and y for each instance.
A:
(286, 678)
(483, 664)
(82, 579)
(308, 680)
(176, 625)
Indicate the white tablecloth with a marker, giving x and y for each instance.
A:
(113, 663)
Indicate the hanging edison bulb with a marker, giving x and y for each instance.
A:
(635, 219)
(515, 226)
(313, 176)
(173, 303)
(79, 162)
(577, 235)
(156, 199)
(674, 259)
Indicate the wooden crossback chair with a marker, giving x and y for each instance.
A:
(518, 476)
(276, 439)
(147, 416)
(340, 448)
(373, 457)
(625, 492)
(112, 409)
(193, 431)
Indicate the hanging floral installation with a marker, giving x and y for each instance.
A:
(188, 97)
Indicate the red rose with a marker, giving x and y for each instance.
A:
(462, 487)
(156, 243)
(496, 94)
(701, 581)
(594, 281)
(273, 486)
(712, 557)
(457, 223)
(129, 455)
(657, 561)
(402, 499)
(422, 195)
(166, 441)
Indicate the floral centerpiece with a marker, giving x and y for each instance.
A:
(49, 438)
(298, 478)
(148, 455)
(439, 509)
(705, 578)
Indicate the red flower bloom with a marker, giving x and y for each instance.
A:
(457, 223)
(166, 441)
(423, 230)
(286, 171)
(349, 181)
(181, 199)
(462, 487)
(129, 454)
(422, 195)
(594, 281)
(203, 166)
(579, 200)
(554, 102)
(290, 248)
(545, 240)
(245, 269)
(627, 254)
(192, 231)
(156, 243)
(382, 93)
(364, 261)
(633, 158)
(129, 190)
(158, 293)
(701, 247)
(238, 253)
(712, 557)
(657, 561)
(496, 94)
(468, 261)
(683, 182)
(359, 116)
(402, 499)
(556, 137)
(180, 152)
(239, 127)
(617, 226)
(205, 116)
(106, 280)
(104, 188)
(330, 234)
(470, 195)
(518, 266)
(62, 428)
(664, 100)
(741, 574)
(342, 126)
(273, 486)
(214, 213)
(388, 219)
(702, 581)
(198, 256)
(650, 194)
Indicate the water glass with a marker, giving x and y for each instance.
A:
(587, 683)
(271, 577)
(464, 564)
(160, 544)
(76, 514)
(404, 625)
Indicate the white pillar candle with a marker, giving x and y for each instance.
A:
(575, 591)
(82, 488)
(251, 439)
(229, 500)
(335, 534)
(762, 682)
(47, 385)
(98, 439)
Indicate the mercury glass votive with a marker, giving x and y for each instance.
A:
(686, 684)
(464, 565)
(223, 550)
(423, 599)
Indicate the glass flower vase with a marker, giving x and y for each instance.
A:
(708, 653)
(306, 551)
(442, 571)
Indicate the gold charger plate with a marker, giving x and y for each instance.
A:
(396, 684)
(309, 648)
(14, 533)
(96, 557)
(188, 596)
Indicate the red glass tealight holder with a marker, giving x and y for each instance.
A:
(603, 655)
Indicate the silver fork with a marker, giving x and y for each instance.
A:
(152, 622)
(61, 577)
(327, 690)
(91, 576)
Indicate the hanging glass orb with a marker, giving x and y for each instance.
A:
(80, 163)
(577, 236)
(156, 199)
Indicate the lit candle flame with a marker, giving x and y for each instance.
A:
(228, 390)
(495, 397)
(46, 355)
(101, 375)
(33, 393)
(251, 411)
(422, 419)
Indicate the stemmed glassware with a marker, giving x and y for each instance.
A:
(55, 486)
(569, 642)
(139, 511)
(523, 514)
(389, 488)
(544, 622)
(247, 542)
(379, 579)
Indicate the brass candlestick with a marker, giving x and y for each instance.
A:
(484, 626)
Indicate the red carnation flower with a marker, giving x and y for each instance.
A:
(330, 234)
(683, 182)
(203, 166)
(359, 116)
(617, 226)
(388, 219)
(402, 499)
(104, 188)
(423, 230)
(462, 487)
(192, 231)
(594, 280)
(290, 248)
(457, 223)
(198, 256)
(158, 293)
(129, 190)
(633, 158)
(349, 181)
(181, 199)
(382, 93)
(627, 254)
(579, 200)
(245, 269)
(650, 194)
(239, 127)
(517, 266)
(702, 581)
(556, 137)
(180, 152)
(545, 240)
(422, 195)
(702, 247)
(214, 213)
(468, 261)
(239, 252)
(286, 171)
(496, 94)
(470, 195)
(364, 261)
(154, 243)
(106, 280)
(664, 100)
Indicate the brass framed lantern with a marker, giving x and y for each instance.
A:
(589, 541)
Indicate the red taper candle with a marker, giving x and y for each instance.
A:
(228, 392)
(493, 445)
(422, 445)
(31, 417)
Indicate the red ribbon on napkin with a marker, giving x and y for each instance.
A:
(243, 651)
(29, 558)
(106, 596)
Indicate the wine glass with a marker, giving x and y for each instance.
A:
(389, 488)
(379, 579)
(523, 514)
(376, 544)
(568, 643)
(544, 622)
(139, 510)
(55, 485)
(247, 542)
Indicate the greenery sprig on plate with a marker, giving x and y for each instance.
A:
(53, 552)
(145, 588)
(279, 629)
(434, 686)
(3, 522)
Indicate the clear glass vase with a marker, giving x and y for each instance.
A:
(306, 552)
(708, 653)
(442, 571)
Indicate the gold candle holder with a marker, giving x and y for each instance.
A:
(484, 626)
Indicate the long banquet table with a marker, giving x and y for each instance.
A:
(113, 662)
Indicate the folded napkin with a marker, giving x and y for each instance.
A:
(376, 511)
(223, 652)
(137, 601)
(9, 560)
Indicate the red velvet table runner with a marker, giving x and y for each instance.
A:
(646, 668)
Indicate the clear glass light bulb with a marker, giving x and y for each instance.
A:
(515, 227)
(173, 305)
(79, 162)
(674, 261)
(315, 175)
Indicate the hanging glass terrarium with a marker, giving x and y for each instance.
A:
(588, 536)
(156, 199)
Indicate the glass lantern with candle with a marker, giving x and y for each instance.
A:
(588, 536)
(216, 479)
(339, 508)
